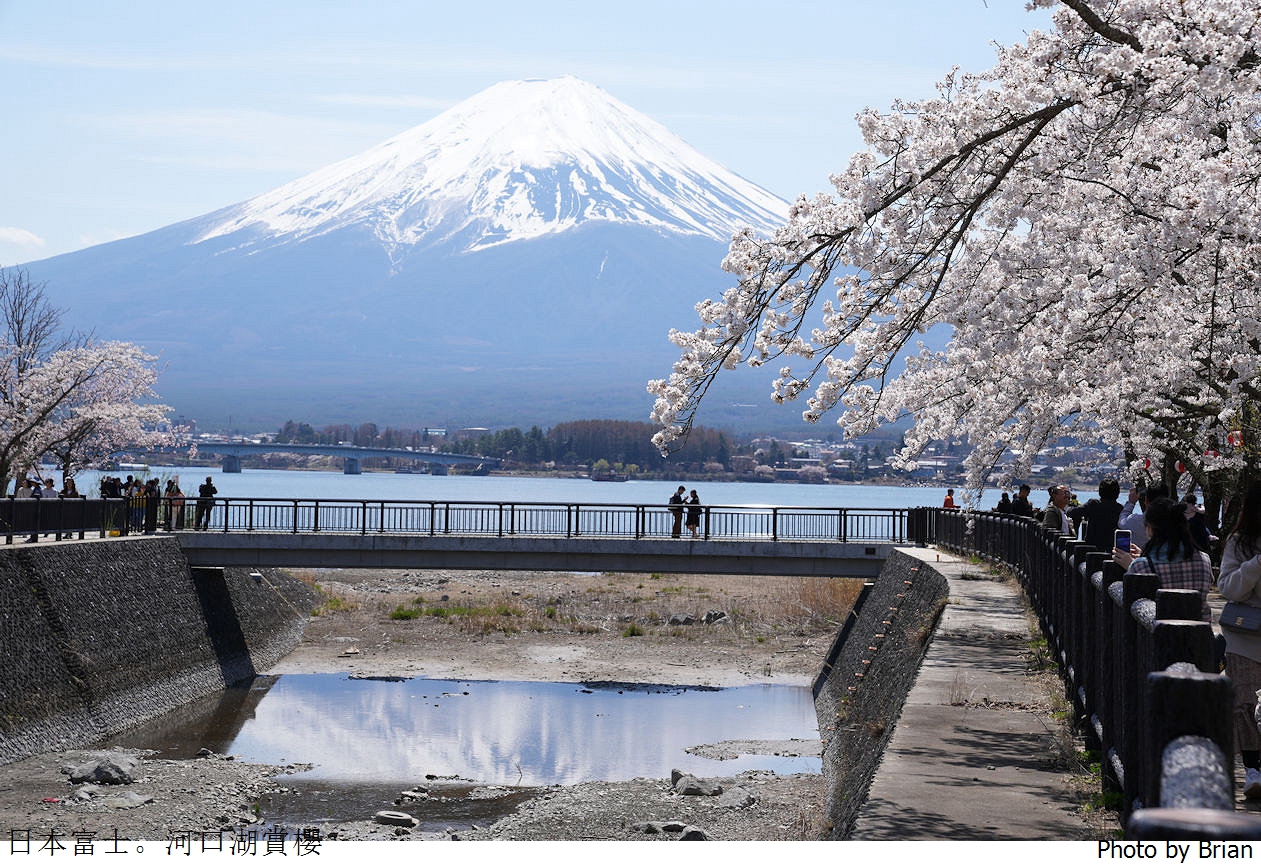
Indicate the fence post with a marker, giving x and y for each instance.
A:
(1107, 701)
(1182, 701)
(1178, 604)
(1133, 686)
(1088, 660)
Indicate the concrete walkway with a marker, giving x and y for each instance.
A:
(973, 753)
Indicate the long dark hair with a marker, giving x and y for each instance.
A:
(1168, 530)
(1248, 527)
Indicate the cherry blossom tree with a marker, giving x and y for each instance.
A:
(1083, 217)
(67, 396)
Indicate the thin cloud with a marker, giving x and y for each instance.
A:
(21, 237)
(250, 140)
(374, 101)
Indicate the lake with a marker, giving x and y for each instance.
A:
(309, 484)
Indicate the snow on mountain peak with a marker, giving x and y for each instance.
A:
(519, 160)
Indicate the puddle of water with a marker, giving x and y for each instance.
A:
(370, 739)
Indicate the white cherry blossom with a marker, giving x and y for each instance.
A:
(1083, 217)
(72, 398)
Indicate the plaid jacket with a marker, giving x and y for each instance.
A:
(1195, 573)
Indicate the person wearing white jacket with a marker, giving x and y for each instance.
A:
(1240, 581)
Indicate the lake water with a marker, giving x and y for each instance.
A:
(307, 484)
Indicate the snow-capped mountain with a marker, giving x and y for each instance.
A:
(519, 160)
(518, 259)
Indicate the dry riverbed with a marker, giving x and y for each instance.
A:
(504, 626)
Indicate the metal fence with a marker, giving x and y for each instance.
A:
(550, 519)
(1138, 666)
(70, 517)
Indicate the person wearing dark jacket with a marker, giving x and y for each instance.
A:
(1020, 505)
(1200, 532)
(1100, 515)
(694, 511)
(676, 512)
(205, 504)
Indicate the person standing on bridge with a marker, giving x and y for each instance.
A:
(676, 511)
(174, 504)
(205, 504)
(152, 506)
(694, 514)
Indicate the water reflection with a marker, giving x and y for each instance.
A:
(509, 733)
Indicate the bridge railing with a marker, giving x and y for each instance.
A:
(1138, 667)
(67, 517)
(58, 518)
(551, 519)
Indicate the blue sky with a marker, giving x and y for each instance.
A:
(124, 117)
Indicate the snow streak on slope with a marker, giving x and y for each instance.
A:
(519, 160)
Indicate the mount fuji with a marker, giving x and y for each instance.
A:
(516, 260)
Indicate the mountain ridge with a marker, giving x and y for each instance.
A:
(518, 160)
(503, 292)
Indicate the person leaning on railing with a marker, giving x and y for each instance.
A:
(1240, 582)
(1170, 554)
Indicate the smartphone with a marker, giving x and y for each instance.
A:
(1123, 540)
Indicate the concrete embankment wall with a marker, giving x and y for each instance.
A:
(861, 699)
(97, 636)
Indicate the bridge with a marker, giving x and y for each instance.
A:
(270, 532)
(544, 536)
(352, 455)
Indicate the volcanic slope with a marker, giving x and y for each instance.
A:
(517, 259)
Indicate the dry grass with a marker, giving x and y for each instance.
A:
(331, 602)
(760, 609)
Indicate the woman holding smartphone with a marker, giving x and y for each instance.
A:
(1170, 554)
(1240, 581)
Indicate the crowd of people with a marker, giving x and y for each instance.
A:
(1156, 532)
(149, 503)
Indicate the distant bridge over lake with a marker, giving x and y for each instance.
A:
(352, 455)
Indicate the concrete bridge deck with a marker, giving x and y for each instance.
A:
(526, 553)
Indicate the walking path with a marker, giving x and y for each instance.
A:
(974, 753)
